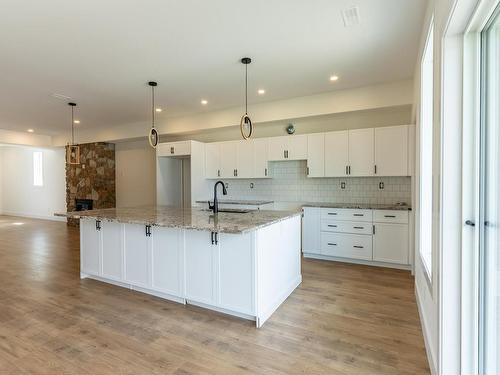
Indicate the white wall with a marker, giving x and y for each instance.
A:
(135, 174)
(19, 196)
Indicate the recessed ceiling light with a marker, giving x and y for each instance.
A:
(76, 121)
(204, 102)
(334, 78)
(158, 109)
(31, 131)
(261, 91)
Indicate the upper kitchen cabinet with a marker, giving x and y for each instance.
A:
(212, 160)
(245, 159)
(260, 157)
(391, 151)
(292, 147)
(228, 161)
(316, 155)
(361, 152)
(182, 148)
(336, 153)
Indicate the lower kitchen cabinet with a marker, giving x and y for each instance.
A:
(390, 243)
(378, 237)
(137, 256)
(112, 258)
(167, 261)
(90, 242)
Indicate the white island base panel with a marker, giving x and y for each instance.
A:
(248, 275)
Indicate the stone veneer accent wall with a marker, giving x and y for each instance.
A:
(94, 178)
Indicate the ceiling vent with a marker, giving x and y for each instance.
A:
(60, 96)
(351, 16)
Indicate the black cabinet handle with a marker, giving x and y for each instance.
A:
(171, 150)
(374, 229)
(308, 171)
(375, 167)
(216, 238)
(346, 170)
(332, 226)
(389, 215)
(349, 169)
(218, 172)
(359, 214)
(358, 247)
(212, 236)
(284, 154)
(332, 213)
(236, 172)
(359, 227)
(332, 244)
(265, 171)
(148, 230)
(98, 225)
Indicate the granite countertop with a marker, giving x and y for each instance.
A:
(359, 206)
(246, 202)
(187, 218)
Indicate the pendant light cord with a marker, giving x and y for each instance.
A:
(246, 89)
(153, 105)
(72, 126)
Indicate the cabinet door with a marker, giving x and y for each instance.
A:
(316, 155)
(336, 153)
(112, 254)
(174, 148)
(390, 243)
(212, 160)
(228, 163)
(277, 146)
(361, 152)
(296, 147)
(391, 151)
(244, 159)
(90, 249)
(260, 158)
(167, 260)
(236, 273)
(137, 255)
(201, 265)
(311, 230)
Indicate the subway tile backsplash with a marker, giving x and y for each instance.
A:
(289, 183)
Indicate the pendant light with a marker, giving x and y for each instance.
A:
(246, 127)
(73, 150)
(153, 134)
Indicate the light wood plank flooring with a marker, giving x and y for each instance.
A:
(343, 319)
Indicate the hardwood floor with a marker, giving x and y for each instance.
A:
(343, 319)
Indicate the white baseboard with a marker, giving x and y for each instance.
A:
(33, 216)
(358, 261)
(425, 332)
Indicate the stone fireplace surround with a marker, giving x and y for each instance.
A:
(94, 178)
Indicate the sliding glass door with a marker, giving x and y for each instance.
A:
(489, 224)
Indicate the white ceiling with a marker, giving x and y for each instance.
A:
(102, 53)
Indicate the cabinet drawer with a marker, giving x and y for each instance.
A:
(346, 245)
(346, 227)
(346, 214)
(390, 216)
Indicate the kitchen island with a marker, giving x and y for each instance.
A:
(243, 264)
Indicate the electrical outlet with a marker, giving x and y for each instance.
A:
(226, 185)
(381, 185)
(251, 185)
(342, 185)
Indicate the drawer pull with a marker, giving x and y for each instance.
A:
(389, 215)
(332, 213)
(332, 226)
(358, 247)
(332, 244)
(359, 214)
(359, 227)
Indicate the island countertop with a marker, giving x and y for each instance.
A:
(187, 218)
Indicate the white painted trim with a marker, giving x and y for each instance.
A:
(33, 216)
(406, 267)
(426, 334)
(221, 310)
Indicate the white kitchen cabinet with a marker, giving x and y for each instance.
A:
(260, 158)
(167, 261)
(112, 257)
(212, 160)
(228, 161)
(137, 255)
(292, 147)
(201, 258)
(361, 152)
(90, 242)
(316, 155)
(336, 153)
(311, 230)
(244, 159)
(182, 148)
(236, 273)
(390, 243)
(391, 151)
(350, 246)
